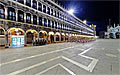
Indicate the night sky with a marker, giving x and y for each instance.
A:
(95, 12)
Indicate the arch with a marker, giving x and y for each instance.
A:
(51, 37)
(2, 36)
(66, 36)
(117, 35)
(43, 34)
(31, 35)
(111, 35)
(2, 11)
(62, 36)
(57, 36)
(13, 30)
(16, 36)
(51, 33)
(2, 29)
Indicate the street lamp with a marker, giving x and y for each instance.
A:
(85, 21)
(71, 11)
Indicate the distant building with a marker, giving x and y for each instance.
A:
(113, 32)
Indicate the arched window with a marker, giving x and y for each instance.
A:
(34, 4)
(52, 24)
(55, 13)
(61, 26)
(1, 32)
(40, 21)
(58, 14)
(48, 10)
(49, 23)
(20, 16)
(44, 8)
(2, 12)
(28, 3)
(51, 11)
(63, 17)
(39, 6)
(11, 14)
(45, 22)
(34, 19)
(28, 18)
(56, 25)
(21, 1)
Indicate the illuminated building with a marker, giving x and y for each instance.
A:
(23, 21)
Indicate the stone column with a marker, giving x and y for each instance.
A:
(31, 2)
(6, 11)
(25, 17)
(25, 39)
(37, 5)
(6, 40)
(16, 14)
(24, 2)
(54, 38)
(64, 38)
(31, 19)
(38, 20)
(43, 21)
(47, 22)
(114, 36)
(59, 37)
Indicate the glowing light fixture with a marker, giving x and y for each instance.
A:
(71, 11)
(16, 30)
(85, 21)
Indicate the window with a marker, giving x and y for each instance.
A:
(56, 25)
(55, 13)
(34, 19)
(1, 32)
(34, 4)
(39, 6)
(58, 14)
(44, 8)
(52, 24)
(49, 23)
(21, 1)
(28, 3)
(45, 22)
(2, 12)
(20, 16)
(63, 27)
(63, 17)
(48, 10)
(40, 21)
(11, 14)
(51, 11)
(59, 26)
(28, 18)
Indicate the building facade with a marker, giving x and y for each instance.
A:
(113, 32)
(23, 21)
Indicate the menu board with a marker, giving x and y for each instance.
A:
(17, 41)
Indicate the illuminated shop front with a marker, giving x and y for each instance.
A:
(43, 34)
(16, 37)
(31, 36)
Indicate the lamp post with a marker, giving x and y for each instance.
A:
(94, 29)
